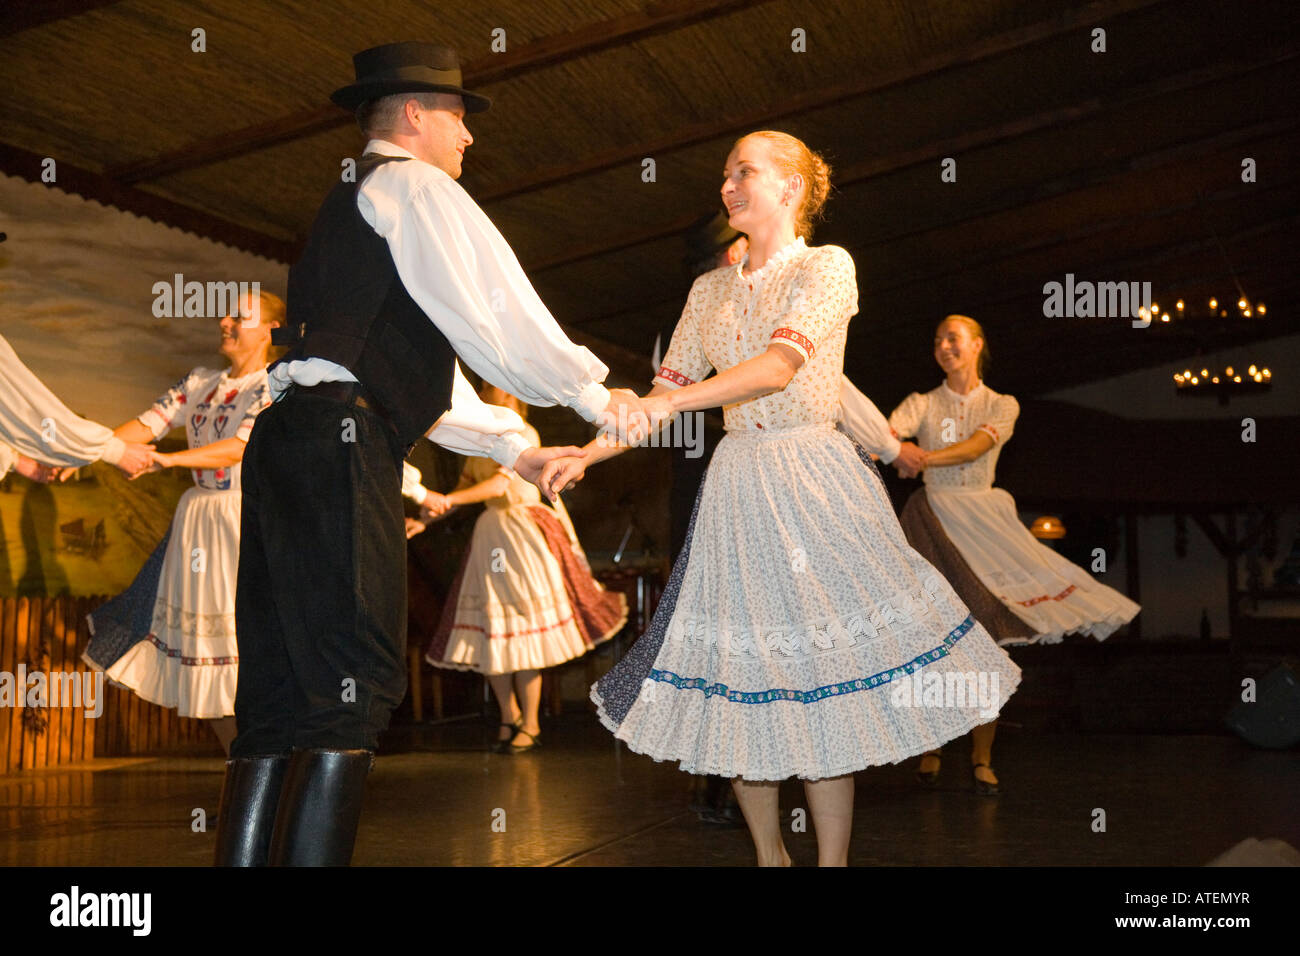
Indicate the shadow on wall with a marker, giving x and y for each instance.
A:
(41, 577)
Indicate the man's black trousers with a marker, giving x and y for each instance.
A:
(320, 610)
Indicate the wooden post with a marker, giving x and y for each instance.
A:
(1132, 571)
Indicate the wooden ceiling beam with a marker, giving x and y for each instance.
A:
(1116, 225)
(683, 137)
(1153, 160)
(657, 18)
(90, 185)
(18, 16)
(977, 139)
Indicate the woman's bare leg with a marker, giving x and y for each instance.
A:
(830, 802)
(528, 689)
(759, 802)
(503, 688)
(224, 728)
(981, 751)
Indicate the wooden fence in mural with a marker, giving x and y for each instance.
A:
(47, 636)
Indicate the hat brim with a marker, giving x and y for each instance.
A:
(354, 94)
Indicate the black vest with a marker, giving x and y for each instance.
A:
(348, 305)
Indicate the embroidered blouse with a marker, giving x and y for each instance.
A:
(803, 297)
(211, 406)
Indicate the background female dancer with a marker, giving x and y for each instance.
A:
(796, 601)
(1018, 588)
(170, 636)
(524, 598)
(39, 434)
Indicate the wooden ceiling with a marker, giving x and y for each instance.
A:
(1115, 166)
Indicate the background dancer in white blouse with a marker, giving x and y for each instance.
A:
(1018, 588)
(170, 636)
(402, 273)
(39, 435)
(524, 598)
(797, 601)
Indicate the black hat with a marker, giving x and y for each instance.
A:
(407, 68)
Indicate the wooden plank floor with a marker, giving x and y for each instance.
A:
(585, 801)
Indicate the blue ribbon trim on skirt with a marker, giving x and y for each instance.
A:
(817, 693)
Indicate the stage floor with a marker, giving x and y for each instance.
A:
(437, 798)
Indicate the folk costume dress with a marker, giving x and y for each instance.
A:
(797, 620)
(1020, 589)
(524, 598)
(170, 637)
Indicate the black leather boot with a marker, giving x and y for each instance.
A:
(320, 807)
(248, 803)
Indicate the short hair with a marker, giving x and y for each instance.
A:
(381, 114)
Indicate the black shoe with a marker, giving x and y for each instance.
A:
(534, 742)
(929, 778)
(503, 746)
(246, 818)
(726, 817)
(983, 787)
(320, 807)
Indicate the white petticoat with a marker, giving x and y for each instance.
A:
(1052, 595)
(190, 660)
(799, 636)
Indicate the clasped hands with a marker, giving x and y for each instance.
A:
(911, 460)
(627, 420)
(433, 508)
(138, 459)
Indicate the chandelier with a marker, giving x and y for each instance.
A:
(1223, 384)
(1214, 309)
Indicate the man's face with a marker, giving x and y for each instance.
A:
(442, 135)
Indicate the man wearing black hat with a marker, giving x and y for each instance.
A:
(401, 274)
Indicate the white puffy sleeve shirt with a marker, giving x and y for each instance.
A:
(458, 268)
(34, 422)
(864, 421)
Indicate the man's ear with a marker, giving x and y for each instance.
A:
(411, 112)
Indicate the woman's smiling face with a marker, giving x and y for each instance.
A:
(954, 346)
(753, 187)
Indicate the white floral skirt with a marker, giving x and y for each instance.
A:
(799, 634)
(189, 660)
(524, 598)
(1053, 596)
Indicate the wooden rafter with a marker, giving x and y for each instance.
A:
(655, 19)
(859, 173)
(976, 139)
(90, 185)
(19, 15)
(999, 45)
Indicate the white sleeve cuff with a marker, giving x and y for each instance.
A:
(113, 450)
(890, 451)
(591, 401)
(507, 448)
